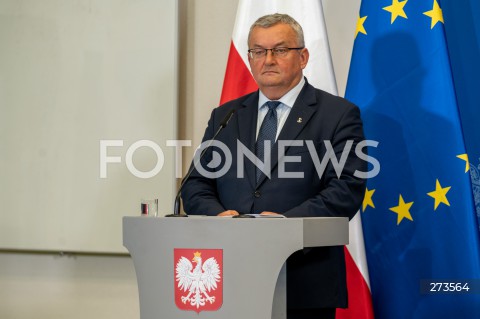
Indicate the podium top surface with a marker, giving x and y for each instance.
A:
(309, 232)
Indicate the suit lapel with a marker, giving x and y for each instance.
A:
(247, 125)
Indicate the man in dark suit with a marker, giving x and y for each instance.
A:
(303, 126)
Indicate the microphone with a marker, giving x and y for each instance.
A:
(176, 204)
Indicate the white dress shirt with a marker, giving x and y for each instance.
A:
(283, 109)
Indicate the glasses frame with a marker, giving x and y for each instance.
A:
(251, 51)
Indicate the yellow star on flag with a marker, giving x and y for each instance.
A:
(436, 14)
(360, 28)
(402, 210)
(367, 199)
(396, 9)
(465, 158)
(440, 194)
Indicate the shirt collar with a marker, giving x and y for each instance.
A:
(288, 99)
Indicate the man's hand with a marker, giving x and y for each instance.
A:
(229, 213)
(270, 213)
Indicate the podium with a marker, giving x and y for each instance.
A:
(249, 267)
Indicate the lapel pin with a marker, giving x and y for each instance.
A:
(299, 120)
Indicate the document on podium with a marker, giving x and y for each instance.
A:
(243, 215)
(265, 216)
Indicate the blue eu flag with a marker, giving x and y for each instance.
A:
(420, 228)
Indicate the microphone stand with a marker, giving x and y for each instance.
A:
(176, 204)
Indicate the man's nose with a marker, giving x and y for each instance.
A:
(269, 57)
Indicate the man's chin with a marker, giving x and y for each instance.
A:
(270, 82)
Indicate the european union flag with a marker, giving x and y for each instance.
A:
(421, 232)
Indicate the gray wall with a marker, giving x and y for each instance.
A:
(73, 74)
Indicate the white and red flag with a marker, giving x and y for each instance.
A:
(319, 72)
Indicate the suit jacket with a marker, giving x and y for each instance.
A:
(315, 277)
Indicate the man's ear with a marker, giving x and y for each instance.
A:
(304, 56)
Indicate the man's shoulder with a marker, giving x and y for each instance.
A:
(220, 112)
(325, 96)
(327, 101)
(245, 99)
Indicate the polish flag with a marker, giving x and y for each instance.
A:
(319, 72)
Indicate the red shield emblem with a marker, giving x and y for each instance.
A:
(198, 279)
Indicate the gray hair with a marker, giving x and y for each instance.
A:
(270, 20)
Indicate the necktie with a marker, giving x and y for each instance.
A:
(268, 132)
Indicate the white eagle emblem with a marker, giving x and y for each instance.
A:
(199, 281)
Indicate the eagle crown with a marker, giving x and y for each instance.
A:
(197, 256)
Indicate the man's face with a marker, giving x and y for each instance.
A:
(275, 76)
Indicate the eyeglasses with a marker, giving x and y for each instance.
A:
(279, 52)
